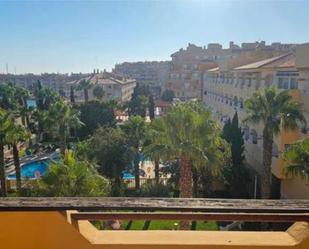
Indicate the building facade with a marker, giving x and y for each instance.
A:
(51, 80)
(186, 71)
(188, 65)
(227, 87)
(149, 73)
(114, 87)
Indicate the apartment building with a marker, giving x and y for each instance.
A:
(188, 65)
(186, 72)
(114, 87)
(51, 80)
(148, 73)
(227, 87)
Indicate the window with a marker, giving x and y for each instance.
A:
(241, 103)
(275, 151)
(280, 83)
(293, 83)
(254, 137)
(235, 100)
(246, 133)
(286, 83)
(287, 80)
(283, 83)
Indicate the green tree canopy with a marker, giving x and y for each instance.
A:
(6, 125)
(108, 147)
(277, 111)
(95, 114)
(84, 85)
(135, 129)
(235, 174)
(16, 134)
(151, 107)
(168, 95)
(138, 104)
(188, 134)
(71, 177)
(297, 157)
(98, 92)
(59, 120)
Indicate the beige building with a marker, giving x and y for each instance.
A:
(227, 87)
(114, 87)
(188, 65)
(186, 72)
(147, 73)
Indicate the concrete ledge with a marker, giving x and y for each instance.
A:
(194, 238)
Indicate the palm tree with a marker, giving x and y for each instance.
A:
(84, 85)
(17, 134)
(6, 124)
(297, 157)
(135, 129)
(60, 119)
(185, 133)
(7, 101)
(70, 177)
(21, 95)
(277, 111)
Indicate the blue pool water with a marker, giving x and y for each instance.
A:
(31, 103)
(127, 176)
(32, 170)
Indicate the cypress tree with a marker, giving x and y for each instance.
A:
(72, 97)
(151, 108)
(236, 174)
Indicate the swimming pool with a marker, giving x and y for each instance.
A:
(127, 176)
(32, 170)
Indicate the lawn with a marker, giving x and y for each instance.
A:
(168, 225)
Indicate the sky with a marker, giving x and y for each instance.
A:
(78, 36)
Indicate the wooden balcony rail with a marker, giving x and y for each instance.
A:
(203, 205)
(266, 217)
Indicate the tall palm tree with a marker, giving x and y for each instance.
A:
(7, 91)
(297, 157)
(21, 95)
(84, 85)
(188, 134)
(6, 125)
(277, 111)
(71, 177)
(135, 129)
(59, 120)
(15, 135)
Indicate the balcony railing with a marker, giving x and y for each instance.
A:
(54, 223)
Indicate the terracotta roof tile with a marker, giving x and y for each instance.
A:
(268, 63)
